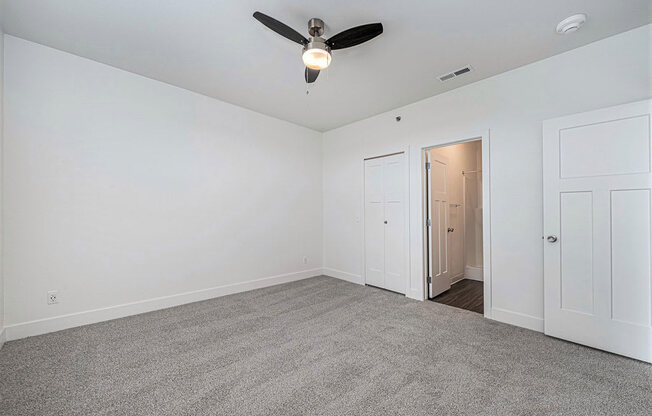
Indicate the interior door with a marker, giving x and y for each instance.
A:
(394, 194)
(597, 220)
(385, 194)
(374, 217)
(439, 206)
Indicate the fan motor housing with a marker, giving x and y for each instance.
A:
(317, 43)
(316, 27)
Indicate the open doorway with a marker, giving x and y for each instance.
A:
(454, 225)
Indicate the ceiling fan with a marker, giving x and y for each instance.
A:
(317, 50)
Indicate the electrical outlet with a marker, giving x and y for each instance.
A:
(305, 259)
(52, 297)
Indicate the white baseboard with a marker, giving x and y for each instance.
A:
(517, 319)
(3, 337)
(473, 273)
(457, 278)
(57, 323)
(338, 274)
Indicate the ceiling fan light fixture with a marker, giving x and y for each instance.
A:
(316, 58)
(316, 54)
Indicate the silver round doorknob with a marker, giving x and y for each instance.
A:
(552, 239)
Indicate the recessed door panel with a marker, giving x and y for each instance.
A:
(439, 172)
(456, 241)
(610, 147)
(630, 256)
(394, 248)
(394, 185)
(577, 251)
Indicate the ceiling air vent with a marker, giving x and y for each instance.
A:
(455, 74)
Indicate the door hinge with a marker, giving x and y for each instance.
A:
(428, 223)
(429, 279)
(427, 165)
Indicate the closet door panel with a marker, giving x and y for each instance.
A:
(394, 187)
(374, 216)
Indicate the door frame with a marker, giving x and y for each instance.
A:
(406, 210)
(484, 137)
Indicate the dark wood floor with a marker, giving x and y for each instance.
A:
(465, 294)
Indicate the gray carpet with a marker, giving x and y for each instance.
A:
(319, 346)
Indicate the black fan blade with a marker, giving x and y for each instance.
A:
(355, 36)
(280, 28)
(311, 75)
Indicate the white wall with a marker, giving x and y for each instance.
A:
(2, 303)
(512, 107)
(120, 189)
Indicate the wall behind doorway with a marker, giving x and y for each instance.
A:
(462, 241)
(511, 106)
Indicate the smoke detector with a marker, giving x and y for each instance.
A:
(571, 24)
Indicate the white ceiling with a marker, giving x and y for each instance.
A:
(216, 48)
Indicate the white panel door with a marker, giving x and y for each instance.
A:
(385, 187)
(374, 227)
(597, 220)
(439, 241)
(394, 184)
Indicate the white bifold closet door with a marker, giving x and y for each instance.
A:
(384, 222)
(597, 220)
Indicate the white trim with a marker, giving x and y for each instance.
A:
(339, 274)
(3, 337)
(473, 273)
(486, 224)
(484, 136)
(415, 294)
(57, 323)
(518, 319)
